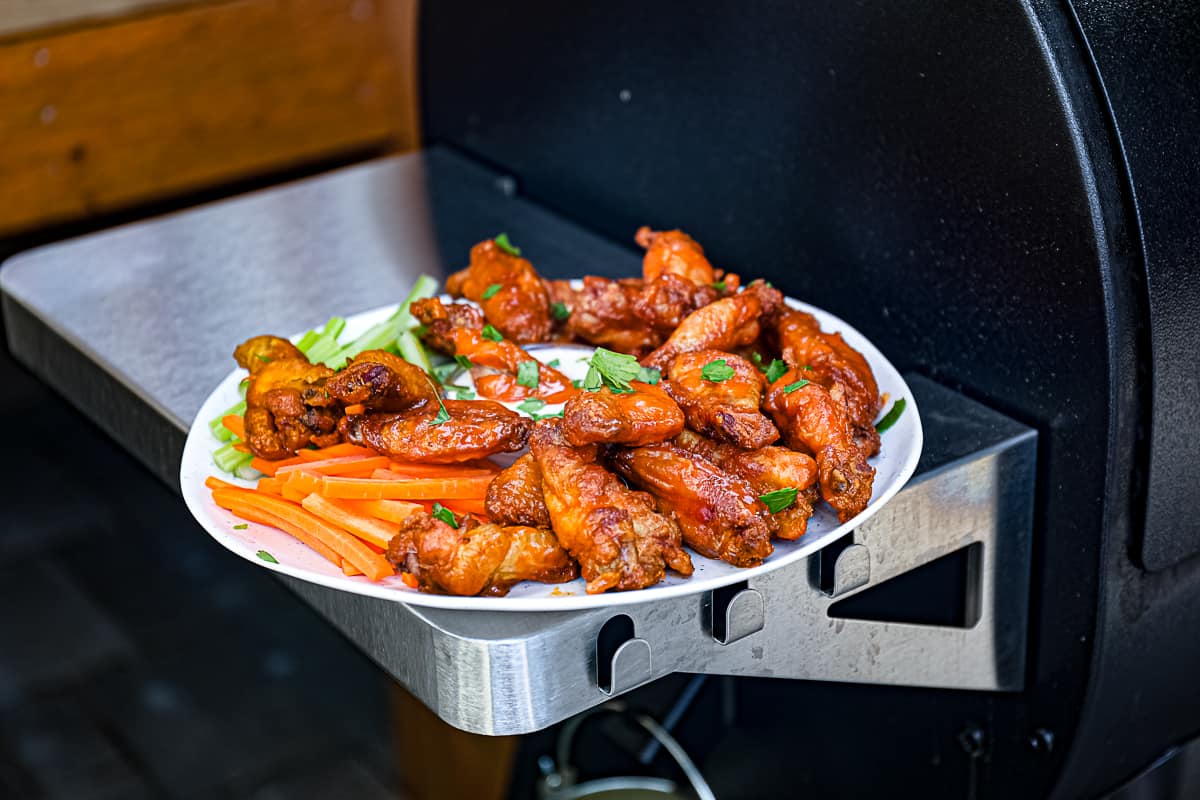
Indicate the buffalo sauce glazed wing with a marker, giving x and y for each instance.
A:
(696, 445)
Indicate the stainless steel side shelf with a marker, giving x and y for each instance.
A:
(355, 238)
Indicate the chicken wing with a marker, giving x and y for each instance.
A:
(643, 416)
(520, 307)
(382, 382)
(768, 469)
(496, 365)
(514, 497)
(258, 351)
(673, 252)
(724, 325)
(287, 406)
(726, 408)
(476, 428)
(720, 514)
(812, 420)
(475, 558)
(620, 541)
(835, 365)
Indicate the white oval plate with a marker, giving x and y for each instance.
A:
(893, 467)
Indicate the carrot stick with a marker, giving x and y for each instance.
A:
(389, 510)
(355, 409)
(269, 467)
(336, 451)
(212, 482)
(234, 424)
(374, 566)
(337, 466)
(242, 447)
(372, 530)
(289, 491)
(438, 470)
(409, 579)
(349, 569)
(261, 517)
(270, 485)
(403, 489)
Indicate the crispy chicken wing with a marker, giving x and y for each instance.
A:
(496, 366)
(813, 421)
(520, 308)
(476, 428)
(835, 365)
(620, 541)
(726, 409)
(382, 382)
(724, 325)
(514, 497)
(720, 514)
(258, 351)
(643, 416)
(768, 469)
(673, 252)
(287, 406)
(475, 558)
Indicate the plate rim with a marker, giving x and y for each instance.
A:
(199, 503)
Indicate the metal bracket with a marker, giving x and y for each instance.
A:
(503, 673)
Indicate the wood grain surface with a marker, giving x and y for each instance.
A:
(103, 117)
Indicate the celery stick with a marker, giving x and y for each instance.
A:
(228, 459)
(247, 472)
(307, 341)
(412, 351)
(218, 428)
(424, 287)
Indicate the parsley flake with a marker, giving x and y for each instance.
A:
(779, 499)
(578, 384)
(527, 374)
(555, 364)
(719, 286)
(444, 514)
(540, 417)
(807, 367)
(649, 375)
(463, 362)
(262, 358)
(889, 419)
(776, 370)
(560, 311)
(791, 387)
(443, 371)
(491, 291)
(490, 332)
(504, 244)
(614, 370)
(241, 527)
(531, 405)
(717, 370)
(757, 359)
(265, 556)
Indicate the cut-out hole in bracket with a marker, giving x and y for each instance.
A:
(614, 633)
(944, 592)
(827, 561)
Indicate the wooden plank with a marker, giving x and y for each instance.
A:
(23, 16)
(98, 119)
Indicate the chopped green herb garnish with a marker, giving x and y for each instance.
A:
(539, 417)
(491, 291)
(776, 370)
(555, 364)
(442, 416)
(265, 556)
(241, 527)
(560, 311)
(527, 374)
(717, 370)
(807, 367)
(889, 419)
(444, 514)
(757, 359)
(578, 384)
(779, 499)
(443, 371)
(504, 244)
(531, 405)
(649, 375)
(791, 387)
(719, 286)
(262, 358)
(489, 332)
(462, 392)
(463, 362)
(615, 370)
